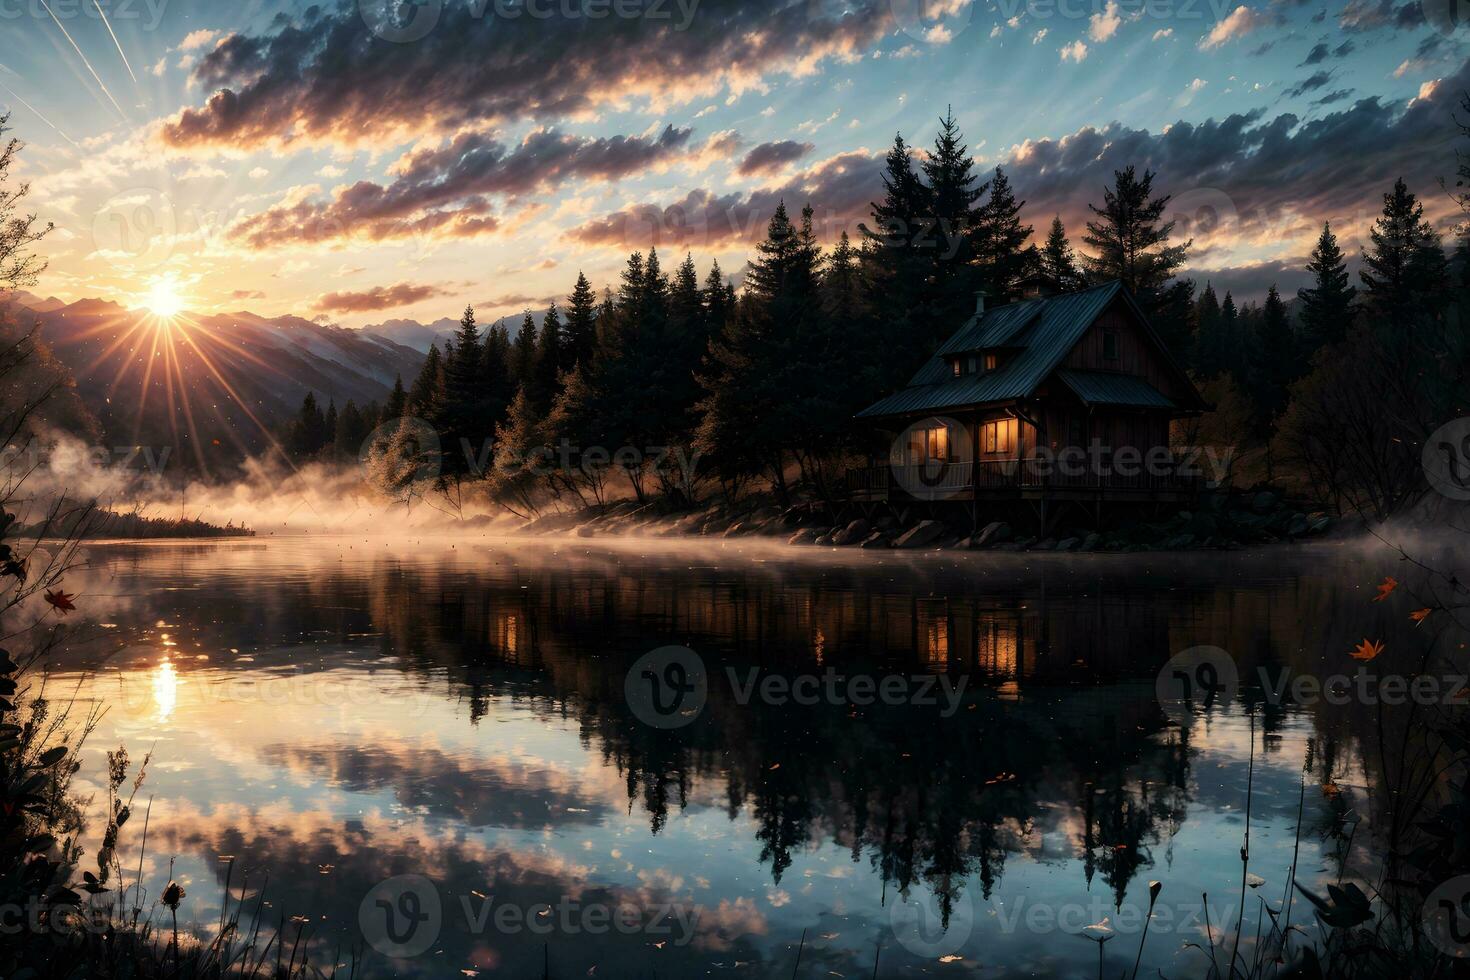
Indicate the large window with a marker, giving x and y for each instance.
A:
(998, 436)
(930, 443)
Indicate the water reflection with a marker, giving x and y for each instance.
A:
(358, 712)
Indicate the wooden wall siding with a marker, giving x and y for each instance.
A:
(1136, 355)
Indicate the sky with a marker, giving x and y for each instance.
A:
(353, 163)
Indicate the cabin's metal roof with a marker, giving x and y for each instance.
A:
(1045, 330)
(1103, 388)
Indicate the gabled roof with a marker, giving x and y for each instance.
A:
(1104, 388)
(1043, 331)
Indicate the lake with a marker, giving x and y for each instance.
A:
(478, 754)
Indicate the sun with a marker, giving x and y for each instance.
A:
(164, 300)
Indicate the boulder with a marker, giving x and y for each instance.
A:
(824, 540)
(806, 535)
(920, 535)
(1091, 542)
(854, 533)
(586, 531)
(875, 540)
(1263, 502)
(1298, 526)
(1067, 544)
(737, 529)
(1320, 523)
(992, 534)
(1045, 545)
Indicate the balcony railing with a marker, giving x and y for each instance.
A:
(938, 481)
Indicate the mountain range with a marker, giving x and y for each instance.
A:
(214, 387)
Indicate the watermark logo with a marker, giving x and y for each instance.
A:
(401, 21)
(1202, 212)
(668, 687)
(925, 459)
(137, 227)
(1447, 917)
(401, 453)
(1196, 679)
(932, 21)
(1446, 16)
(919, 925)
(401, 917)
(1446, 459)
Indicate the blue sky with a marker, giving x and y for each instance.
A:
(294, 159)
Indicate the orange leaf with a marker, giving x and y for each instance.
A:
(1331, 789)
(1386, 588)
(1420, 615)
(61, 600)
(1366, 650)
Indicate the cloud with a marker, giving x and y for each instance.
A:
(1237, 24)
(1368, 15)
(1279, 177)
(1076, 51)
(771, 157)
(325, 78)
(195, 40)
(1311, 83)
(1162, 33)
(377, 298)
(247, 294)
(1104, 24)
(840, 190)
(442, 191)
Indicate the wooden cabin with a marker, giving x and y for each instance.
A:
(1054, 397)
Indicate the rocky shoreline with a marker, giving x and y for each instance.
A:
(1219, 521)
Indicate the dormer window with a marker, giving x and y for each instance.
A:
(992, 361)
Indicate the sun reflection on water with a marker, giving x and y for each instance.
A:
(165, 689)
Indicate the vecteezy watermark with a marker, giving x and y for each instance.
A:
(35, 455)
(941, 458)
(150, 12)
(1195, 680)
(932, 21)
(669, 687)
(136, 227)
(403, 916)
(1447, 917)
(1446, 458)
(1098, 915)
(1202, 676)
(920, 926)
(405, 21)
(1186, 10)
(53, 918)
(1446, 16)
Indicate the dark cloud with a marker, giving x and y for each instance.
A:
(1369, 15)
(1335, 96)
(839, 190)
(377, 298)
(1310, 84)
(328, 78)
(443, 190)
(1276, 174)
(1248, 283)
(770, 157)
(1316, 56)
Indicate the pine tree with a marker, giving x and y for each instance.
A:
(898, 267)
(717, 307)
(1058, 261)
(1000, 240)
(495, 379)
(1130, 239)
(427, 394)
(1210, 350)
(1405, 272)
(307, 433)
(329, 424)
(1272, 355)
(397, 400)
(523, 355)
(1327, 307)
(350, 431)
(550, 361)
(581, 332)
(957, 219)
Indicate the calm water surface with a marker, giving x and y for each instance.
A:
(330, 713)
